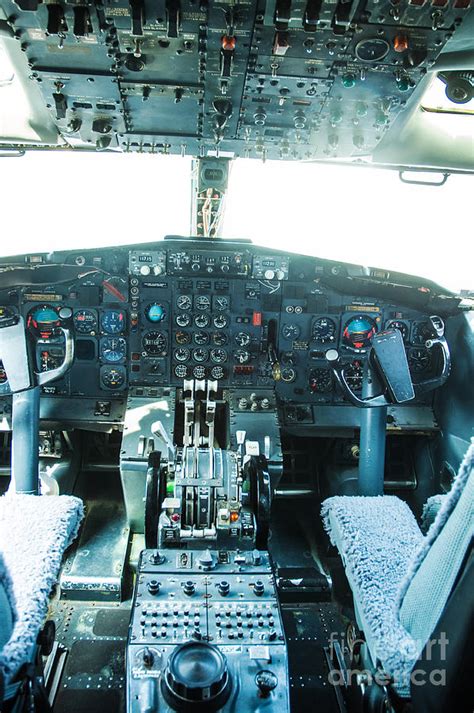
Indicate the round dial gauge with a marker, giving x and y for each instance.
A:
(358, 331)
(181, 371)
(221, 303)
(354, 374)
(184, 302)
(202, 303)
(242, 356)
(242, 339)
(419, 360)
(113, 349)
(155, 313)
(219, 338)
(288, 374)
(43, 317)
(372, 50)
(182, 354)
(288, 358)
(218, 356)
(420, 333)
(112, 377)
(218, 372)
(183, 320)
(182, 337)
(220, 321)
(290, 331)
(200, 355)
(324, 330)
(199, 372)
(320, 380)
(201, 338)
(154, 343)
(401, 326)
(85, 321)
(112, 321)
(202, 320)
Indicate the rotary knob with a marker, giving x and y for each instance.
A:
(196, 678)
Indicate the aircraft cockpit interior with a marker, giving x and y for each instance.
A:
(233, 476)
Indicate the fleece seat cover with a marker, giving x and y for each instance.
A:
(34, 534)
(377, 538)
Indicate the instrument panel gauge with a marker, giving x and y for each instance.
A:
(288, 358)
(419, 360)
(290, 331)
(421, 331)
(155, 313)
(372, 50)
(181, 371)
(401, 326)
(201, 338)
(154, 343)
(112, 321)
(219, 338)
(320, 380)
(182, 354)
(202, 303)
(220, 321)
(43, 317)
(218, 372)
(218, 356)
(354, 374)
(202, 320)
(221, 303)
(242, 339)
(324, 330)
(199, 372)
(112, 377)
(113, 349)
(183, 320)
(184, 302)
(200, 355)
(242, 356)
(50, 358)
(182, 337)
(85, 321)
(358, 331)
(288, 374)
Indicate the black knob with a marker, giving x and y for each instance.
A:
(258, 588)
(153, 587)
(266, 682)
(157, 558)
(196, 678)
(189, 588)
(223, 588)
(148, 658)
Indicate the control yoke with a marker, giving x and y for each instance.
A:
(388, 358)
(15, 353)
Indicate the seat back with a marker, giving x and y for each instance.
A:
(436, 566)
(6, 605)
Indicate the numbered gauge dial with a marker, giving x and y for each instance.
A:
(221, 303)
(288, 374)
(181, 371)
(200, 355)
(358, 331)
(112, 377)
(202, 303)
(154, 343)
(288, 358)
(199, 372)
(182, 354)
(401, 326)
(242, 356)
(201, 338)
(218, 372)
(420, 333)
(419, 360)
(372, 50)
(324, 330)
(182, 337)
(290, 331)
(184, 302)
(202, 320)
(320, 381)
(219, 339)
(218, 356)
(85, 321)
(113, 349)
(155, 313)
(183, 320)
(242, 339)
(220, 321)
(43, 317)
(112, 321)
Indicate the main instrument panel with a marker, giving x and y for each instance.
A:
(251, 319)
